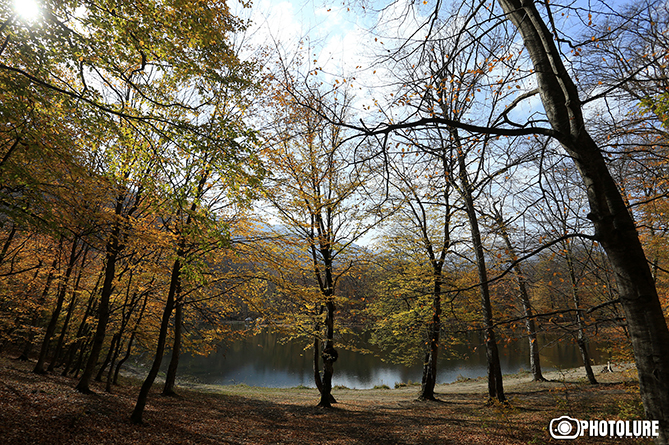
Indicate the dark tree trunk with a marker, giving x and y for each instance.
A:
(63, 333)
(119, 364)
(51, 328)
(117, 344)
(614, 226)
(131, 340)
(317, 372)
(72, 352)
(112, 250)
(137, 413)
(171, 376)
(8, 242)
(117, 341)
(83, 352)
(530, 325)
(172, 299)
(317, 353)
(108, 357)
(329, 355)
(68, 315)
(581, 339)
(429, 379)
(495, 384)
(27, 349)
(317, 358)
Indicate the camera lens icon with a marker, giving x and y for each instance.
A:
(564, 427)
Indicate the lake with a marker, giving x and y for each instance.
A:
(263, 360)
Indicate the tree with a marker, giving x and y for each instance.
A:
(316, 193)
(614, 226)
(562, 213)
(521, 278)
(426, 206)
(445, 88)
(129, 184)
(62, 289)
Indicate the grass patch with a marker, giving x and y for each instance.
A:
(404, 385)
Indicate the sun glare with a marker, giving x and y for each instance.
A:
(27, 9)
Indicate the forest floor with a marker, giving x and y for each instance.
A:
(47, 410)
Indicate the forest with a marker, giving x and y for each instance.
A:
(491, 167)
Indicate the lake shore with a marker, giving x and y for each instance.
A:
(46, 410)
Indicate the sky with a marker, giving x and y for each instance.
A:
(332, 31)
(27, 9)
(342, 41)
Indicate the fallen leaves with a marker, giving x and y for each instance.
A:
(46, 410)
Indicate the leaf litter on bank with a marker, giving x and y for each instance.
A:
(47, 410)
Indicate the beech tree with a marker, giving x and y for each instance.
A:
(502, 227)
(317, 194)
(130, 177)
(427, 202)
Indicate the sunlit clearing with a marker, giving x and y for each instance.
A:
(27, 9)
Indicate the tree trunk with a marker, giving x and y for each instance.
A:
(131, 340)
(83, 352)
(170, 378)
(614, 226)
(495, 384)
(317, 357)
(51, 328)
(329, 356)
(429, 379)
(530, 325)
(72, 352)
(27, 349)
(68, 315)
(112, 250)
(116, 346)
(63, 333)
(8, 242)
(317, 372)
(119, 364)
(108, 357)
(581, 339)
(137, 413)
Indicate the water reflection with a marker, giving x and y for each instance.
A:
(262, 360)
